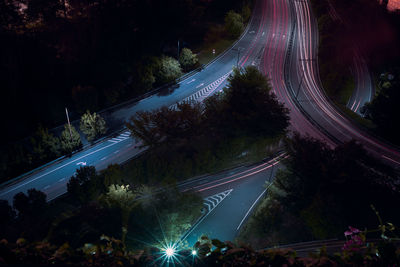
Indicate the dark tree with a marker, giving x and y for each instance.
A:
(32, 209)
(85, 185)
(254, 110)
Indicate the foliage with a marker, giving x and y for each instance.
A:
(234, 25)
(45, 145)
(321, 191)
(125, 199)
(164, 215)
(383, 110)
(250, 102)
(246, 101)
(199, 137)
(112, 175)
(167, 70)
(187, 59)
(110, 252)
(70, 139)
(85, 185)
(93, 125)
(32, 219)
(143, 76)
(85, 98)
(246, 12)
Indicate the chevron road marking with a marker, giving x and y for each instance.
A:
(210, 203)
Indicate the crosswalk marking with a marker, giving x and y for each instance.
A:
(197, 96)
(120, 137)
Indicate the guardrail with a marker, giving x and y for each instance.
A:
(125, 104)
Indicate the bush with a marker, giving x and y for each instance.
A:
(187, 59)
(93, 125)
(168, 70)
(233, 24)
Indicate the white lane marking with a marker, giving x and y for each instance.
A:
(245, 216)
(383, 156)
(81, 163)
(200, 85)
(125, 135)
(227, 192)
(128, 145)
(104, 158)
(56, 169)
(113, 141)
(263, 33)
(353, 104)
(46, 187)
(116, 152)
(357, 106)
(62, 179)
(191, 81)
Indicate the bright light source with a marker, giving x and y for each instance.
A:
(170, 252)
(194, 252)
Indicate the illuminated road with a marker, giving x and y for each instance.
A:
(230, 199)
(52, 179)
(364, 88)
(282, 41)
(311, 98)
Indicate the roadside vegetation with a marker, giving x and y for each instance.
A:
(321, 192)
(379, 45)
(137, 214)
(87, 72)
(335, 55)
(109, 251)
(138, 203)
(243, 124)
(383, 110)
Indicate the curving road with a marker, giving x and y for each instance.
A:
(281, 40)
(311, 98)
(364, 88)
(53, 179)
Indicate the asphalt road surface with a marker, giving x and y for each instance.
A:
(282, 41)
(52, 180)
(302, 69)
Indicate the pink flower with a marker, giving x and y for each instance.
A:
(354, 230)
(347, 233)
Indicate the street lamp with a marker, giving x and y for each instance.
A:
(69, 124)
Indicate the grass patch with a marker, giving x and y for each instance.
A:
(358, 119)
(205, 54)
(347, 91)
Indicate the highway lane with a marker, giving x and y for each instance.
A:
(364, 89)
(303, 63)
(230, 199)
(53, 179)
(280, 17)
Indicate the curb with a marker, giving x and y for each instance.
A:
(126, 103)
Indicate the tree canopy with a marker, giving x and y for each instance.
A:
(70, 139)
(93, 125)
(322, 191)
